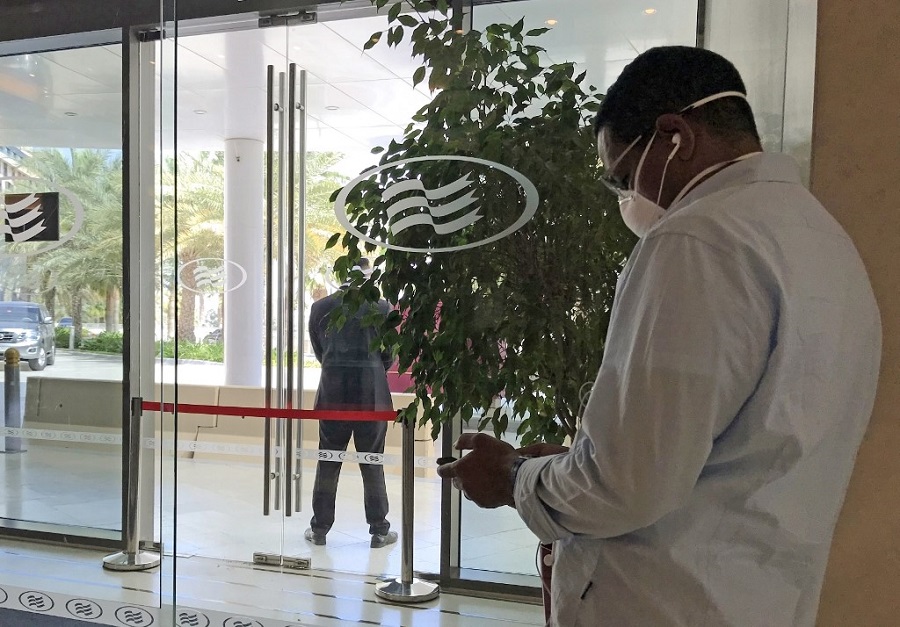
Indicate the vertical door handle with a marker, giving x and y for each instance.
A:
(289, 293)
(270, 191)
(299, 105)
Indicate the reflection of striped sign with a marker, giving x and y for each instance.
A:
(31, 217)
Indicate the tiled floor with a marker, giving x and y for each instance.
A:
(219, 512)
(216, 592)
(219, 527)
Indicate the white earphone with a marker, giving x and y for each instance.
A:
(676, 139)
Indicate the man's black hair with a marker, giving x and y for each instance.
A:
(666, 80)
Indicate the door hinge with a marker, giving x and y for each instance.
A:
(282, 561)
(150, 35)
(289, 19)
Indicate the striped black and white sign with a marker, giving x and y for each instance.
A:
(31, 217)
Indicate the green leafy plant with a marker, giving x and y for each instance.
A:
(106, 342)
(62, 336)
(200, 351)
(513, 329)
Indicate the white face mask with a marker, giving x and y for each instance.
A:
(639, 212)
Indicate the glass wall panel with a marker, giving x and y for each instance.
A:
(61, 272)
(600, 38)
(773, 46)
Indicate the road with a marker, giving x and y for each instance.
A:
(80, 365)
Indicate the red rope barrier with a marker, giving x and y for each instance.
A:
(271, 412)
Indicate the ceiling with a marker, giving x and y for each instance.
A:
(355, 99)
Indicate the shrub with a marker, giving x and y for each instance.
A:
(190, 350)
(106, 342)
(62, 337)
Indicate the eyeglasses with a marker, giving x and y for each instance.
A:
(621, 191)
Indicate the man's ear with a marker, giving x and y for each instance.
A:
(679, 132)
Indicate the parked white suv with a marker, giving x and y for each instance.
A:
(28, 328)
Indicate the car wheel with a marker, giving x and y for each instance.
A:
(40, 362)
(51, 356)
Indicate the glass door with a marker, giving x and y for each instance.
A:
(223, 301)
(274, 115)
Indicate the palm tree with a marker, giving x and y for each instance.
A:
(88, 268)
(321, 224)
(193, 217)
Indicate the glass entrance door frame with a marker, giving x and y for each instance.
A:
(143, 51)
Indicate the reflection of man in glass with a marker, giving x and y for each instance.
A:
(354, 378)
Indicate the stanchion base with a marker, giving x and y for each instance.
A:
(131, 561)
(417, 591)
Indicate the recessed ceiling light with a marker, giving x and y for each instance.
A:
(200, 111)
(551, 22)
(31, 75)
(649, 11)
(71, 114)
(332, 108)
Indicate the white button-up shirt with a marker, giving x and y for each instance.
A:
(714, 452)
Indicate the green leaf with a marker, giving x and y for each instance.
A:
(418, 77)
(374, 39)
(332, 241)
(394, 11)
(535, 32)
(408, 20)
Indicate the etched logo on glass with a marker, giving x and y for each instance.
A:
(210, 276)
(434, 204)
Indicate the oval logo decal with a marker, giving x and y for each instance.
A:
(209, 276)
(441, 213)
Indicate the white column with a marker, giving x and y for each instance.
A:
(245, 132)
(244, 238)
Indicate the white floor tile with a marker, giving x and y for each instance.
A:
(310, 598)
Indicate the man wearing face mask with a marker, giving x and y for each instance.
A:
(737, 381)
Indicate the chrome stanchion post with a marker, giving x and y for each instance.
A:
(406, 588)
(12, 400)
(132, 558)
